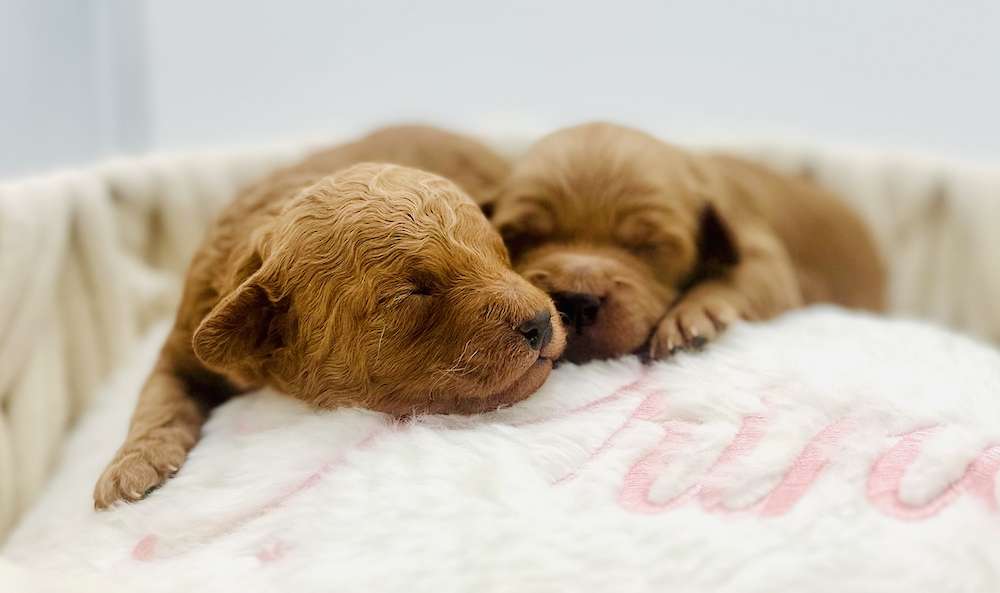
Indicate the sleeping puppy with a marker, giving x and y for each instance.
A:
(375, 285)
(648, 248)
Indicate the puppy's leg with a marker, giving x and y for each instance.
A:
(172, 407)
(761, 285)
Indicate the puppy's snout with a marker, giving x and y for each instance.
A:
(579, 309)
(537, 331)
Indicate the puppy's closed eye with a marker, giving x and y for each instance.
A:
(648, 236)
(411, 293)
(424, 285)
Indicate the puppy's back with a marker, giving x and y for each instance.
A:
(471, 165)
(834, 251)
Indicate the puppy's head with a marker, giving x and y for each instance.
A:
(384, 287)
(613, 224)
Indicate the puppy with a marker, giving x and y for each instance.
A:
(648, 248)
(374, 285)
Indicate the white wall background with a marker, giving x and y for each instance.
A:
(125, 75)
(48, 97)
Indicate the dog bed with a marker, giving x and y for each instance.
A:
(825, 450)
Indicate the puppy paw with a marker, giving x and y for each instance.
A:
(140, 467)
(692, 323)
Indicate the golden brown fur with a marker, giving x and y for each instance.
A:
(649, 248)
(373, 285)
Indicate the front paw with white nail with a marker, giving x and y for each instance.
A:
(142, 465)
(697, 319)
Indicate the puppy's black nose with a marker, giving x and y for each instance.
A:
(579, 309)
(537, 331)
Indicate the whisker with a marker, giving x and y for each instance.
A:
(378, 351)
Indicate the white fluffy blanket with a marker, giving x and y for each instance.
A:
(824, 451)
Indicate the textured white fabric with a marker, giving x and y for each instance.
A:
(17, 579)
(785, 448)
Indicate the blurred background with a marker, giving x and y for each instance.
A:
(85, 79)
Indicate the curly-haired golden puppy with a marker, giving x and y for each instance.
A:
(378, 285)
(649, 248)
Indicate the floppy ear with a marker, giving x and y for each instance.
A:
(245, 328)
(716, 243)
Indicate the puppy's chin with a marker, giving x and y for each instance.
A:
(518, 390)
(520, 377)
(520, 387)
